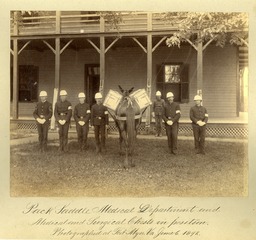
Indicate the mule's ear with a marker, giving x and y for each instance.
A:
(131, 90)
(121, 89)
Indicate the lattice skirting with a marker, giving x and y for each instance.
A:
(230, 130)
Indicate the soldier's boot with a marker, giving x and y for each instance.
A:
(44, 148)
(97, 148)
(61, 147)
(40, 148)
(84, 146)
(65, 148)
(202, 150)
(103, 148)
(80, 145)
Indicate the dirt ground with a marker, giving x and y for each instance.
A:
(222, 172)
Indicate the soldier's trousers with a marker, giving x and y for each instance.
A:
(43, 134)
(100, 135)
(158, 124)
(172, 135)
(63, 136)
(199, 136)
(82, 134)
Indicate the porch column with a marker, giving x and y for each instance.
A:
(200, 68)
(57, 63)
(57, 67)
(149, 65)
(102, 55)
(57, 52)
(15, 71)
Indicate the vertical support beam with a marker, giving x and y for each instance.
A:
(149, 65)
(102, 55)
(57, 66)
(15, 71)
(238, 85)
(57, 52)
(200, 68)
(57, 63)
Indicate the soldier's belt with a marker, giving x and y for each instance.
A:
(62, 114)
(41, 116)
(81, 117)
(98, 118)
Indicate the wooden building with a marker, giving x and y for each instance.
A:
(81, 51)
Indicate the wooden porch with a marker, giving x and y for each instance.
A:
(58, 31)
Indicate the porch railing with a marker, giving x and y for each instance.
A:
(77, 22)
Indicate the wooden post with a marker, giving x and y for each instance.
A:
(57, 63)
(15, 71)
(57, 67)
(149, 65)
(200, 68)
(102, 55)
(57, 52)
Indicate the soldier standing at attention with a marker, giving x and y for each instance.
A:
(199, 118)
(42, 114)
(171, 116)
(99, 120)
(63, 113)
(157, 113)
(82, 115)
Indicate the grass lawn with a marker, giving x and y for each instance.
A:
(223, 171)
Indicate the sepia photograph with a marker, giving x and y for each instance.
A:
(129, 103)
(128, 119)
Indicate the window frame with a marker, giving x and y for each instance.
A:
(181, 86)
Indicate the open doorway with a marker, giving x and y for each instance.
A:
(92, 81)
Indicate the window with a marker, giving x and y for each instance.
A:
(28, 83)
(173, 77)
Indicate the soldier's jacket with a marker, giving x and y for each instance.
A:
(63, 111)
(198, 113)
(82, 112)
(99, 115)
(43, 110)
(171, 112)
(158, 106)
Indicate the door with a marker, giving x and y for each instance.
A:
(92, 82)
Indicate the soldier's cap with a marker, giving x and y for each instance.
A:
(197, 98)
(158, 93)
(98, 95)
(63, 93)
(81, 95)
(169, 94)
(43, 94)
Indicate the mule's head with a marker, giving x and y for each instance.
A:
(125, 93)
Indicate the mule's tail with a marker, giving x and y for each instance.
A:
(130, 127)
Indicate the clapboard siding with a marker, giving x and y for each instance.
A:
(128, 67)
(220, 81)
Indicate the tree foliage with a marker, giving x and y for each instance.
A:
(196, 26)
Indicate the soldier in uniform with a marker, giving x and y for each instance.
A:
(42, 114)
(99, 120)
(158, 106)
(63, 113)
(82, 115)
(199, 118)
(171, 116)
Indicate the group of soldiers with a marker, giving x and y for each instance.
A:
(170, 113)
(97, 116)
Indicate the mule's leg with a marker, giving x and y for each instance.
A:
(123, 138)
